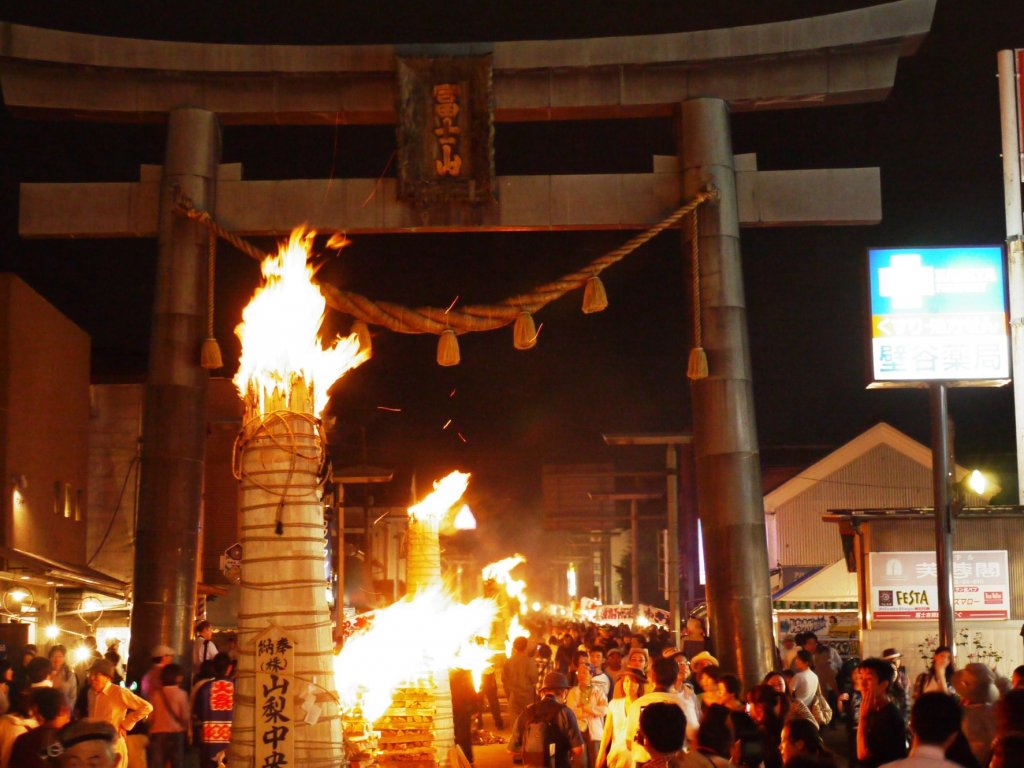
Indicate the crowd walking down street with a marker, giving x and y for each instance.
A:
(575, 696)
(816, 709)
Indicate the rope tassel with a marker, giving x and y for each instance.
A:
(524, 334)
(209, 354)
(448, 348)
(595, 299)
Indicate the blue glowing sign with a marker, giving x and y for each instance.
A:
(938, 314)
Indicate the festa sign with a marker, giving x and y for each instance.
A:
(904, 585)
(275, 701)
(938, 314)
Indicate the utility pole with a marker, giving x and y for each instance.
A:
(941, 467)
(1009, 107)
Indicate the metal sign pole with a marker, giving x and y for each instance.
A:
(943, 512)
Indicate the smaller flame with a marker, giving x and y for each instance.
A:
(476, 658)
(447, 491)
(464, 520)
(337, 241)
(515, 629)
(501, 572)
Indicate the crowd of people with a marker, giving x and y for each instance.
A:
(602, 697)
(55, 714)
(583, 696)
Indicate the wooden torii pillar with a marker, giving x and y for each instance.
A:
(843, 58)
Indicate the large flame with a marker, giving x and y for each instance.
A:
(408, 641)
(281, 347)
(447, 491)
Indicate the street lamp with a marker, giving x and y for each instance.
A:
(977, 482)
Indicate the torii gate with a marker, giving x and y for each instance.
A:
(696, 77)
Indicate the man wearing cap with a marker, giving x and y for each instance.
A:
(701, 660)
(88, 742)
(551, 708)
(161, 655)
(114, 704)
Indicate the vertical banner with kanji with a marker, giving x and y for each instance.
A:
(446, 130)
(275, 699)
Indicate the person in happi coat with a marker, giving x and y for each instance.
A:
(212, 711)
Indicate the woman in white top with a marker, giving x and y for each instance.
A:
(590, 705)
(628, 688)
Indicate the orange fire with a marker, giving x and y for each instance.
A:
(501, 572)
(284, 364)
(409, 641)
(515, 629)
(447, 491)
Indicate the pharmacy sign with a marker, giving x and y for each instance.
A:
(938, 314)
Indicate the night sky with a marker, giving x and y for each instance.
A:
(936, 139)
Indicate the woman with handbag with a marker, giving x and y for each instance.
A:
(169, 722)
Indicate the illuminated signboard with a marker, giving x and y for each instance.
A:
(904, 585)
(938, 314)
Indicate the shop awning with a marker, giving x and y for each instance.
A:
(66, 574)
(832, 584)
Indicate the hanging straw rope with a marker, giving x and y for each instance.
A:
(697, 367)
(209, 355)
(480, 317)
